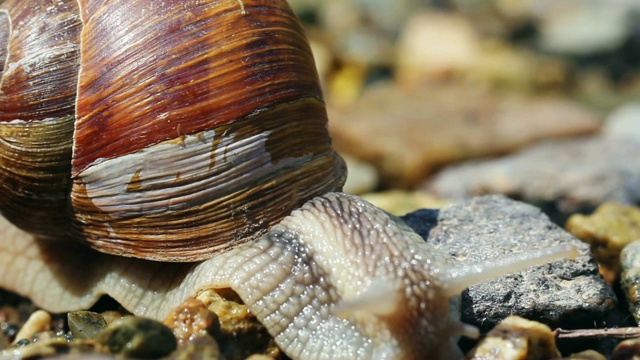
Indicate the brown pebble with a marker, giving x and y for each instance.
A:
(608, 230)
(190, 320)
(240, 334)
(587, 355)
(516, 338)
(627, 350)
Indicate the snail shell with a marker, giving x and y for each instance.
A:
(165, 131)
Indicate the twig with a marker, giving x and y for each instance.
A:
(615, 333)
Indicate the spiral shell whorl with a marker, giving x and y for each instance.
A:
(39, 49)
(198, 124)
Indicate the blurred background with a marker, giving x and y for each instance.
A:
(438, 100)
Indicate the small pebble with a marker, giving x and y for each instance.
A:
(259, 357)
(608, 230)
(191, 320)
(516, 338)
(240, 334)
(138, 337)
(623, 122)
(203, 347)
(627, 350)
(400, 202)
(38, 322)
(567, 27)
(453, 47)
(111, 316)
(85, 324)
(22, 342)
(346, 84)
(630, 277)
(587, 355)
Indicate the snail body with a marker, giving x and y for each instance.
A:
(182, 131)
(336, 279)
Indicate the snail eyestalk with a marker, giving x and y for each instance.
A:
(460, 278)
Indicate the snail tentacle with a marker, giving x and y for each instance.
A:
(461, 277)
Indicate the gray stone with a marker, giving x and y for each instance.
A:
(85, 324)
(567, 293)
(562, 176)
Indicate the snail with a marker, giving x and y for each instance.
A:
(150, 150)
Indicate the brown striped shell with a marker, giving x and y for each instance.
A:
(165, 130)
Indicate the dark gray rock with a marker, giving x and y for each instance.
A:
(561, 176)
(567, 293)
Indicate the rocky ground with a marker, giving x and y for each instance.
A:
(514, 126)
